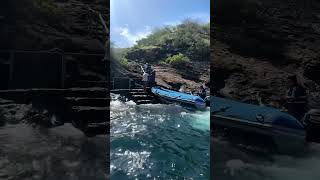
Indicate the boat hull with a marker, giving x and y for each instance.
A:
(173, 97)
(186, 104)
(265, 125)
(284, 139)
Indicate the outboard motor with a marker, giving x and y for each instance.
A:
(312, 125)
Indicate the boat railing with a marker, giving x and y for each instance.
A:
(126, 83)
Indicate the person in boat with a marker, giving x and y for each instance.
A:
(182, 88)
(296, 98)
(145, 78)
(202, 92)
(206, 86)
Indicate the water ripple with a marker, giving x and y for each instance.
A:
(158, 141)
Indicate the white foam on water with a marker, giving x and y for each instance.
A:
(136, 162)
(200, 120)
(280, 168)
(235, 165)
(115, 104)
(183, 114)
(132, 103)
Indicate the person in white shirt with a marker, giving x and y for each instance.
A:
(145, 67)
(182, 88)
(145, 78)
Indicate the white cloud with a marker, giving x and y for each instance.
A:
(131, 37)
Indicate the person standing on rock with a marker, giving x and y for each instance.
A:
(145, 67)
(152, 75)
(145, 78)
(152, 78)
(296, 98)
(149, 68)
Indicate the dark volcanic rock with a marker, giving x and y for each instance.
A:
(312, 71)
(30, 25)
(253, 58)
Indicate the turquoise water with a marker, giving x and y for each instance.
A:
(158, 142)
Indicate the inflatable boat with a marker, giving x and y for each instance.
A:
(184, 99)
(281, 127)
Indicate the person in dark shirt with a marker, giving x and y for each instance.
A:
(152, 77)
(296, 98)
(202, 92)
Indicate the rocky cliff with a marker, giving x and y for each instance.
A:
(179, 54)
(70, 25)
(256, 45)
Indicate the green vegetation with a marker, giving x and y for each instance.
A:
(124, 62)
(117, 55)
(189, 38)
(171, 45)
(175, 46)
(178, 60)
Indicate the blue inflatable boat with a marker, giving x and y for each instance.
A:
(257, 120)
(169, 96)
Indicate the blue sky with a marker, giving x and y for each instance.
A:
(131, 20)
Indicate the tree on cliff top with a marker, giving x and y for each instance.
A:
(189, 38)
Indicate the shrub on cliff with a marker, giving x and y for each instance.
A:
(124, 62)
(117, 56)
(178, 60)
